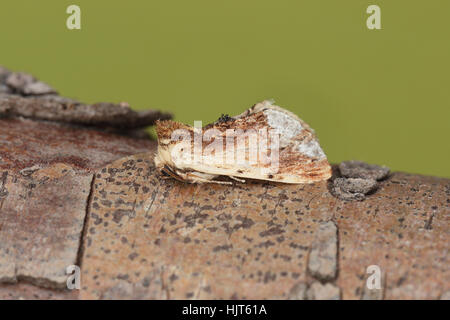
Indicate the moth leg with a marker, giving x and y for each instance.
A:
(167, 170)
(237, 179)
(221, 182)
(196, 178)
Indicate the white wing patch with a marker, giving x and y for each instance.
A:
(286, 126)
(312, 149)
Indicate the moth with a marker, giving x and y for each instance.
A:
(265, 142)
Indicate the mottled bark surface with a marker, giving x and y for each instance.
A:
(72, 194)
(46, 173)
(153, 238)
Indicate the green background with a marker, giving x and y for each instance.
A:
(381, 96)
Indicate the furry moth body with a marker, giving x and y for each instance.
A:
(299, 156)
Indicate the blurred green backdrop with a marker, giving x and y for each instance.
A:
(381, 96)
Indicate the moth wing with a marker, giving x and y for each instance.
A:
(300, 157)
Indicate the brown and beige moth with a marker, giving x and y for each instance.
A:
(266, 142)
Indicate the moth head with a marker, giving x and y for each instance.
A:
(164, 128)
